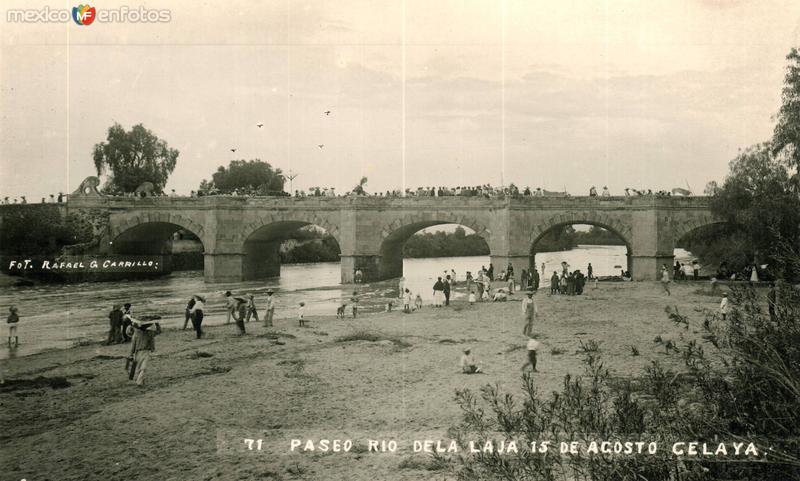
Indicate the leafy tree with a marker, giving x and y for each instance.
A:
(246, 175)
(758, 196)
(786, 138)
(132, 158)
(359, 189)
(445, 244)
(40, 230)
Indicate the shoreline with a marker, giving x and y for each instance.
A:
(378, 375)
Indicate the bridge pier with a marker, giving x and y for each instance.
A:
(370, 266)
(518, 262)
(648, 268)
(262, 259)
(222, 267)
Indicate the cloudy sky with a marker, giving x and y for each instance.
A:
(542, 93)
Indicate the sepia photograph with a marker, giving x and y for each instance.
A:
(449, 240)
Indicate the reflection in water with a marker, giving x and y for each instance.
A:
(58, 316)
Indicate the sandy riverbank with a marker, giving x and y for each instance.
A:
(188, 421)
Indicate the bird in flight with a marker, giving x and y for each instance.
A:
(259, 125)
(321, 145)
(233, 150)
(327, 112)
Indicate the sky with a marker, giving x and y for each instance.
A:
(559, 95)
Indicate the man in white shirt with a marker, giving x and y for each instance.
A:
(270, 309)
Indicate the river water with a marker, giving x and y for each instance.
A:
(57, 316)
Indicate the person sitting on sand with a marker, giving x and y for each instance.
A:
(12, 321)
(301, 312)
(468, 363)
(418, 301)
(142, 346)
(532, 346)
(500, 295)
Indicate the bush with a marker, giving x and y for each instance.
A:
(747, 389)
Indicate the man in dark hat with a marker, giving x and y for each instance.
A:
(115, 320)
(142, 347)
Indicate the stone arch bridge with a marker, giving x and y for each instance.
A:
(241, 236)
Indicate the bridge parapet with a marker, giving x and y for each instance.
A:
(241, 232)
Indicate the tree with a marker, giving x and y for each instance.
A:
(249, 176)
(786, 137)
(132, 158)
(359, 189)
(758, 196)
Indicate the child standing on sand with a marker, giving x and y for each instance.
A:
(532, 346)
(723, 306)
(354, 300)
(12, 321)
(471, 298)
(407, 301)
(301, 311)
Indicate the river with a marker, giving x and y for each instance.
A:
(58, 316)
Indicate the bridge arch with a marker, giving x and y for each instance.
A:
(262, 238)
(155, 235)
(394, 236)
(616, 227)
